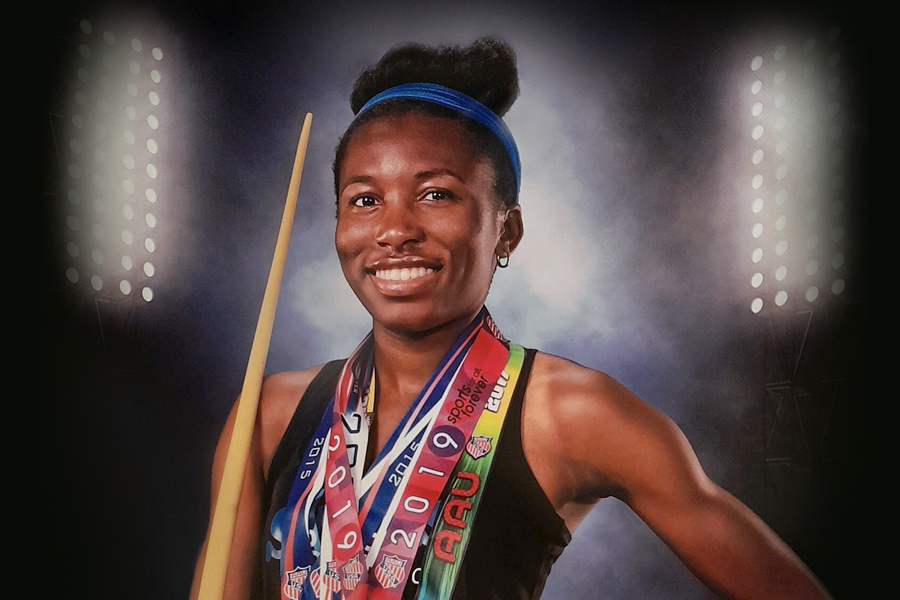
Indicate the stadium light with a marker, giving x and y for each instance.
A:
(794, 146)
(112, 140)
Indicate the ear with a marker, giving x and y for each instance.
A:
(511, 231)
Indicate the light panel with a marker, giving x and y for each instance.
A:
(112, 141)
(795, 145)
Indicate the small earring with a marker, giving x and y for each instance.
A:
(501, 259)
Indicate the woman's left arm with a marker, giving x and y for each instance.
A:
(623, 447)
(721, 541)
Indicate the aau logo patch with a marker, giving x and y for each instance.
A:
(331, 580)
(478, 446)
(391, 572)
(293, 582)
(353, 571)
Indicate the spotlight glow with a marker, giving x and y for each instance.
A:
(838, 287)
(780, 223)
(781, 298)
(780, 273)
(812, 267)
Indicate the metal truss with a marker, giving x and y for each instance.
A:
(815, 404)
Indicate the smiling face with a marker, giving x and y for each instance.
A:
(418, 224)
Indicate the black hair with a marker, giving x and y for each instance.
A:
(485, 70)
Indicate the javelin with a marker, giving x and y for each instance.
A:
(221, 530)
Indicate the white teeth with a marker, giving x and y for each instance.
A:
(402, 274)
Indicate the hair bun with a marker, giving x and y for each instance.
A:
(485, 70)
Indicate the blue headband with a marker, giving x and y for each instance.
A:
(462, 104)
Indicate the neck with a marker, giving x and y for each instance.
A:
(404, 362)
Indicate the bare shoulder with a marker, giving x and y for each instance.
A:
(604, 435)
(562, 379)
(280, 396)
(576, 397)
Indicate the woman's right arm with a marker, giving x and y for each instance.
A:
(277, 403)
(245, 543)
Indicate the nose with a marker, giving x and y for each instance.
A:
(399, 226)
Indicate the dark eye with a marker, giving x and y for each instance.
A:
(364, 201)
(437, 195)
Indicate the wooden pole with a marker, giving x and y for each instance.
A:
(221, 530)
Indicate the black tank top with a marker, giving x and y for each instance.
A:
(516, 536)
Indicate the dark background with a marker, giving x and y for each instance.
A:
(633, 263)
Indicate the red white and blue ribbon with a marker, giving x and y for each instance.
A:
(350, 533)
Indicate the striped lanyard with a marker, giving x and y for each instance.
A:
(354, 534)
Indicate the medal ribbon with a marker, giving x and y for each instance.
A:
(354, 535)
(450, 536)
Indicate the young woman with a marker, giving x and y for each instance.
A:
(441, 460)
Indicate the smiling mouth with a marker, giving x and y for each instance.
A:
(402, 274)
(403, 281)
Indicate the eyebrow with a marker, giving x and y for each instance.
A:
(357, 179)
(440, 171)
